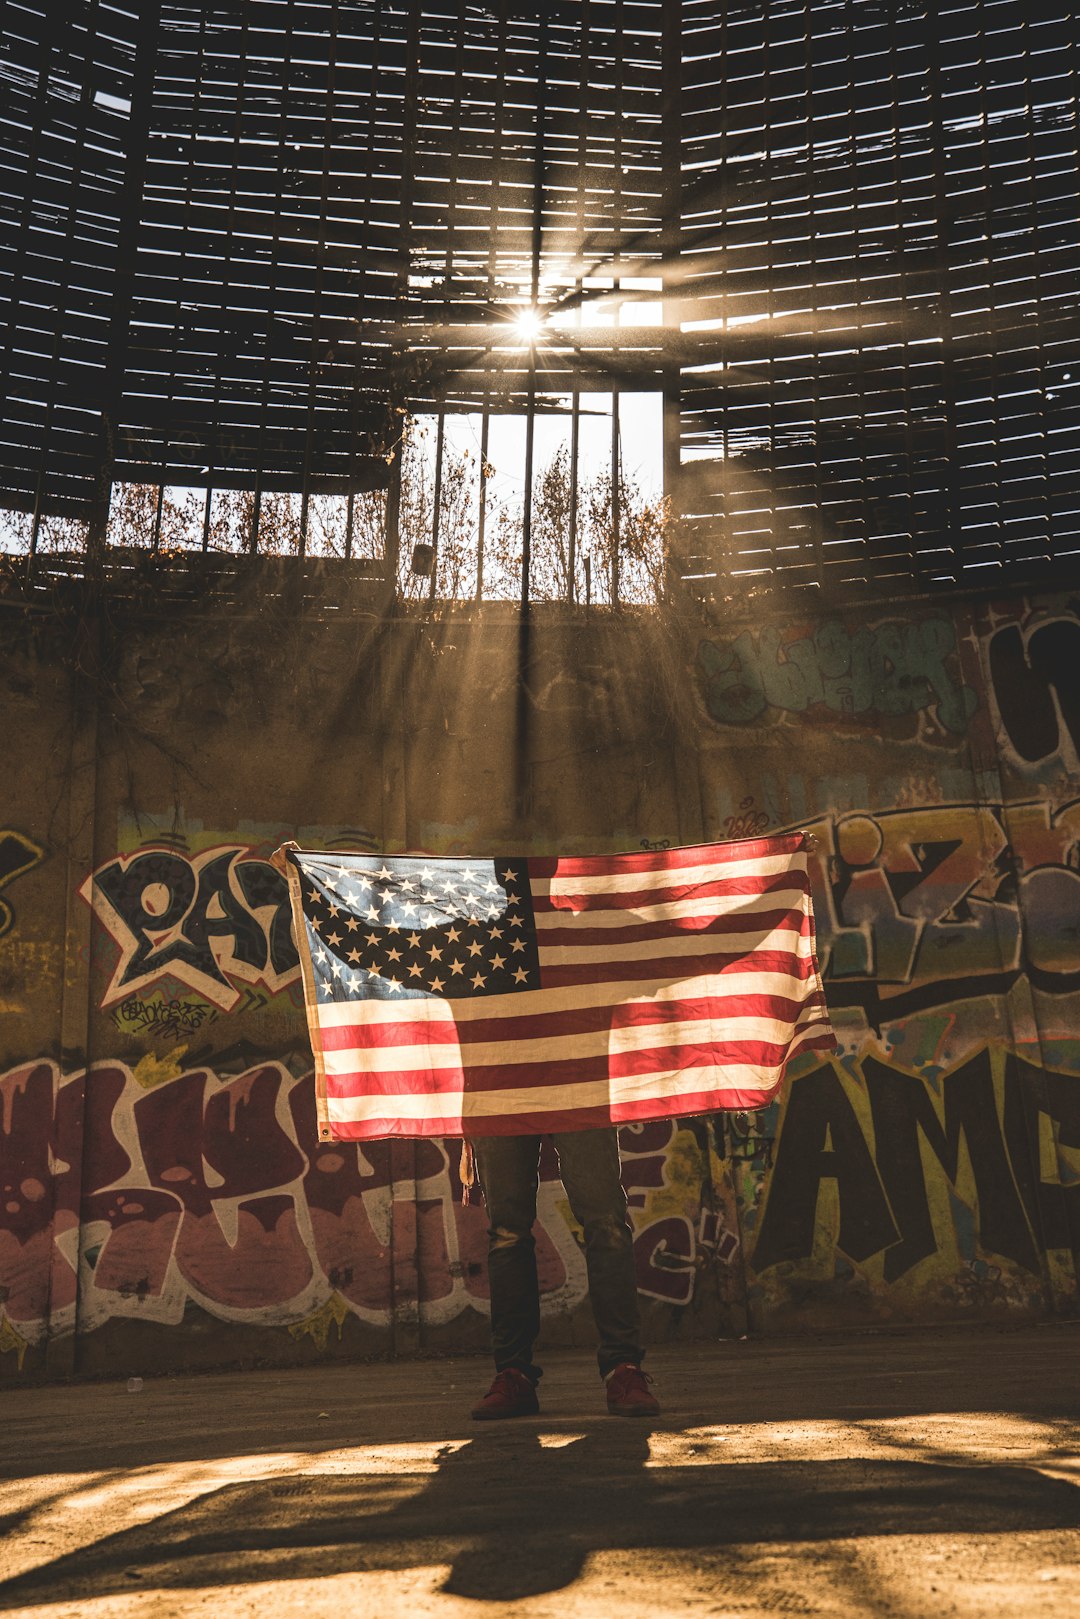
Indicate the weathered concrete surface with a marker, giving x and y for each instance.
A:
(913, 1475)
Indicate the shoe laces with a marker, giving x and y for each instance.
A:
(630, 1374)
(507, 1381)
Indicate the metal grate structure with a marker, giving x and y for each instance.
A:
(240, 242)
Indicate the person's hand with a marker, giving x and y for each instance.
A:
(277, 859)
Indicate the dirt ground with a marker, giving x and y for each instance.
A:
(913, 1475)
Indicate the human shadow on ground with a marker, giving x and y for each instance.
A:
(515, 1517)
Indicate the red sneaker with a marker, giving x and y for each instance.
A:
(511, 1395)
(628, 1392)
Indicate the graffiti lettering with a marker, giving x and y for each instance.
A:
(952, 1164)
(206, 920)
(216, 1192)
(18, 855)
(170, 1019)
(917, 907)
(1035, 681)
(899, 667)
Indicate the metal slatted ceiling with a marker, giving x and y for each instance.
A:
(889, 231)
(246, 229)
(62, 168)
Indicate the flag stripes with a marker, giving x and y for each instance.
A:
(670, 982)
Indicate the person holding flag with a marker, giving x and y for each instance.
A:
(503, 999)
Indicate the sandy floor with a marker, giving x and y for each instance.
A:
(912, 1475)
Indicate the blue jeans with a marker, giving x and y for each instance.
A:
(507, 1169)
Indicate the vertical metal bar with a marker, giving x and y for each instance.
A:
(410, 99)
(256, 511)
(206, 518)
(436, 509)
(616, 493)
(485, 423)
(584, 122)
(130, 213)
(575, 451)
(526, 515)
(671, 46)
(616, 220)
(349, 527)
(156, 541)
(534, 300)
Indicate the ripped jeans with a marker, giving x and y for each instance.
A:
(507, 1169)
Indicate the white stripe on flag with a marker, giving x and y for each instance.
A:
(566, 884)
(557, 1047)
(670, 946)
(660, 1086)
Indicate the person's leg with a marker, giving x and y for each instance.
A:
(507, 1169)
(589, 1164)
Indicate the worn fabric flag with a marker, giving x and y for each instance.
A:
(513, 995)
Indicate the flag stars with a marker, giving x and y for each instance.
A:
(354, 956)
(457, 966)
(393, 955)
(334, 939)
(453, 936)
(414, 941)
(498, 961)
(437, 985)
(478, 980)
(517, 944)
(314, 897)
(435, 953)
(476, 948)
(520, 975)
(415, 970)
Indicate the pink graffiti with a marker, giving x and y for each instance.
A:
(216, 1192)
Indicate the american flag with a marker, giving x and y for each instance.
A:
(525, 994)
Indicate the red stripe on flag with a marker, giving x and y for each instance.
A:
(793, 882)
(548, 866)
(563, 1020)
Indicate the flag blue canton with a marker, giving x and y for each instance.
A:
(399, 927)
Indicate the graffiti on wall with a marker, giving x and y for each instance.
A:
(18, 855)
(922, 905)
(1034, 669)
(902, 669)
(196, 1191)
(218, 922)
(963, 1180)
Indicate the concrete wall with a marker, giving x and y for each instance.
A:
(163, 1199)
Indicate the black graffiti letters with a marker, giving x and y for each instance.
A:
(206, 920)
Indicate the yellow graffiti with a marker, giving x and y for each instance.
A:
(151, 1070)
(317, 1326)
(10, 1339)
(680, 1195)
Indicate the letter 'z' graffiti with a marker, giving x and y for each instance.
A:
(207, 920)
(918, 907)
